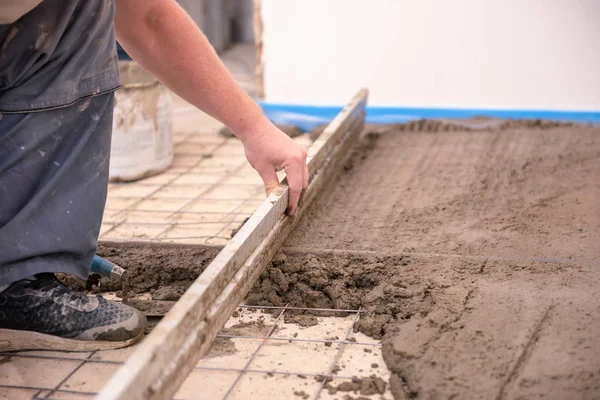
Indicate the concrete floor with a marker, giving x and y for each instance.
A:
(243, 364)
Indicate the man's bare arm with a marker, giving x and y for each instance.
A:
(163, 39)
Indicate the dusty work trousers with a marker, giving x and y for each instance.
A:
(53, 182)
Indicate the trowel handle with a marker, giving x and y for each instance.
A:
(105, 267)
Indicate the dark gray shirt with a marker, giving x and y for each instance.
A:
(56, 54)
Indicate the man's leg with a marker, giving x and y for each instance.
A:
(53, 179)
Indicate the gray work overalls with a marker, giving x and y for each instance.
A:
(58, 72)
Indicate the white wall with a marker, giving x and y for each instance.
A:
(434, 53)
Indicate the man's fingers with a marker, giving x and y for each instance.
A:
(296, 182)
(270, 179)
(305, 175)
(297, 179)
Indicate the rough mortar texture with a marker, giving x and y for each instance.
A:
(473, 249)
(471, 245)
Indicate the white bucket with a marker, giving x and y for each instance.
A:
(142, 143)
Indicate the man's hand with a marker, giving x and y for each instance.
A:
(161, 37)
(269, 150)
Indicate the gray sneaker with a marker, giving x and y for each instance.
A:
(40, 313)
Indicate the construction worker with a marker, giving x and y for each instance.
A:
(58, 74)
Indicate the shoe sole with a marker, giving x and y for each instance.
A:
(11, 340)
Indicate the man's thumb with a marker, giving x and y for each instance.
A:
(270, 179)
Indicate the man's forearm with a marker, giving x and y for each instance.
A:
(161, 37)
(165, 41)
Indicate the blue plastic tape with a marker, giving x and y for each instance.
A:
(307, 117)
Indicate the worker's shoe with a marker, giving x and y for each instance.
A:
(40, 313)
